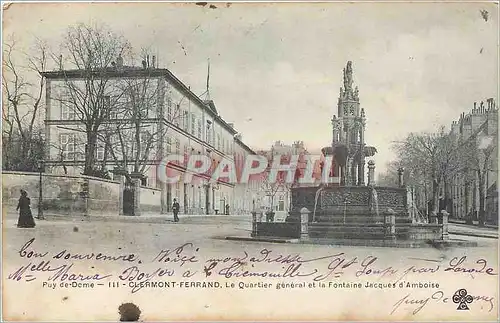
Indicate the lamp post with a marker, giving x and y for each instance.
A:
(40, 191)
(215, 187)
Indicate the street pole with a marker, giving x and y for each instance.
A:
(40, 192)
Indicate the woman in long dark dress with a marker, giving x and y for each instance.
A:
(25, 217)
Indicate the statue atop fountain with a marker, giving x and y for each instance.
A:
(348, 143)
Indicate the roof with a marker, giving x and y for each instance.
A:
(250, 150)
(134, 71)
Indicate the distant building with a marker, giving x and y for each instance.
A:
(463, 193)
(188, 124)
(280, 202)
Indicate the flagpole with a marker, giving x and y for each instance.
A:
(208, 79)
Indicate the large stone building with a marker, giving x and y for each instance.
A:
(150, 113)
(477, 134)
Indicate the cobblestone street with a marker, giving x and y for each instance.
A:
(146, 240)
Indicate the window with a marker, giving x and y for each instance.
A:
(185, 124)
(67, 113)
(177, 146)
(218, 141)
(193, 123)
(105, 102)
(186, 154)
(67, 145)
(145, 143)
(169, 145)
(178, 192)
(281, 204)
(200, 129)
(169, 108)
(113, 114)
(209, 132)
(176, 116)
(100, 153)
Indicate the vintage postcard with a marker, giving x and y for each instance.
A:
(333, 161)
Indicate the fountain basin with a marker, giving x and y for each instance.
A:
(358, 213)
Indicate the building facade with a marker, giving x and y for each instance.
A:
(276, 196)
(477, 134)
(139, 116)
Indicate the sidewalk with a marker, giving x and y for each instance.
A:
(143, 218)
(473, 231)
(475, 223)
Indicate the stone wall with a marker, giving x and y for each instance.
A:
(278, 229)
(150, 200)
(62, 194)
(104, 196)
(425, 232)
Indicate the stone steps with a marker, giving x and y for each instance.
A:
(333, 231)
(354, 231)
(358, 219)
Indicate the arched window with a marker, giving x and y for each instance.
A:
(281, 203)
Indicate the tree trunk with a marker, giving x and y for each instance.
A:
(482, 211)
(468, 218)
(446, 194)
(435, 195)
(90, 153)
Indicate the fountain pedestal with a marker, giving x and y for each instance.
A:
(358, 213)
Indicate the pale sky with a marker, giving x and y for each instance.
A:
(417, 65)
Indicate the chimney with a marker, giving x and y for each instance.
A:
(60, 62)
(230, 124)
(147, 60)
(153, 62)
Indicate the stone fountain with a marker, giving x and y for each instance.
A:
(352, 210)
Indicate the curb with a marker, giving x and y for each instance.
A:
(439, 244)
(472, 235)
(489, 226)
(263, 239)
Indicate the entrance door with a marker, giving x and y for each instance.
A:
(207, 199)
(128, 198)
(169, 197)
(185, 199)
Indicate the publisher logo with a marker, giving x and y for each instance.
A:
(462, 299)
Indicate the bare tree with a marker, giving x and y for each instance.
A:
(22, 103)
(432, 156)
(136, 138)
(478, 156)
(272, 186)
(90, 59)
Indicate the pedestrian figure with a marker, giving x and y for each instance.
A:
(176, 207)
(25, 217)
(227, 209)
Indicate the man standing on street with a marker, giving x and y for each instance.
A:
(176, 207)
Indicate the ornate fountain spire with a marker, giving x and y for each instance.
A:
(348, 77)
